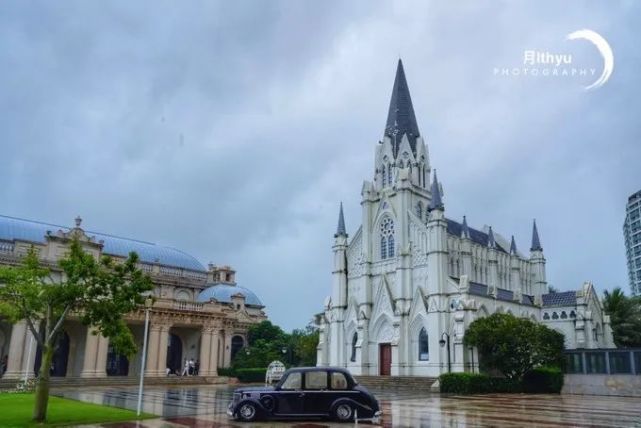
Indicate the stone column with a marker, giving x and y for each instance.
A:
(227, 348)
(101, 357)
(205, 350)
(16, 350)
(153, 341)
(161, 357)
(89, 355)
(213, 353)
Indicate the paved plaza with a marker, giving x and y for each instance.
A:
(205, 406)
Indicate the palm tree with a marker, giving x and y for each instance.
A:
(625, 317)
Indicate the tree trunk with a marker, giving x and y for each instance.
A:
(42, 385)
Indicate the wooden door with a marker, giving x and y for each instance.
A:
(385, 359)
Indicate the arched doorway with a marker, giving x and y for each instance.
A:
(174, 353)
(117, 364)
(60, 356)
(237, 343)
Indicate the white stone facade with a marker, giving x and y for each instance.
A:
(410, 278)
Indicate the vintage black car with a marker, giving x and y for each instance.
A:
(307, 392)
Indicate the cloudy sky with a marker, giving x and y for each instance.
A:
(231, 130)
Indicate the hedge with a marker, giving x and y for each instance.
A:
(539, 380)
(226, 371)
(251, 375)
(543, 380)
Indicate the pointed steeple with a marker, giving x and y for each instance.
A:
(465, 231)
(340, 230)
(536, 243)
(491, 243)
(513, 247)
(436, 203)
(400, 117)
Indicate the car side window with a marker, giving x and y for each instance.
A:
(293, 381)
(339, 381)
(316, 380)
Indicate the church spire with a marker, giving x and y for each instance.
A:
(340, 230)
(400, 118)
(465, 231)
(536, 243)
(436, 202)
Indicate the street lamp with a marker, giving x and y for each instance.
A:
(472, 353)
(148, 302)
(286, 355)
(444, 342)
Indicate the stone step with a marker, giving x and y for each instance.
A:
(396, 382)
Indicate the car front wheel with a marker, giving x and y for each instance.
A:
(247, 412)
(343, 412)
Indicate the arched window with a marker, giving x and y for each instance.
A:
(354, 340)
(389, 174)
(384, 176)
(546, 316)
(572, 314)
(387, 238)
(423, 346)
(564, 315)
(555, 316)
(419, 209)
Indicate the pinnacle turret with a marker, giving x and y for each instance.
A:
(340, 229)
(491, 242)
(436, 203)
(513, 250)
(536, 243)
(465, 230)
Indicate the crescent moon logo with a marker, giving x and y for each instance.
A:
(604, 49)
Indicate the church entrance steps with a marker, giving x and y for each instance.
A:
(73, 382)
(396, 382)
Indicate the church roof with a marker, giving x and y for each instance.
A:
(536, 242)
(224, 292)
(401, 119)
(455, 228)
(33, 231)
(340, 230)
(564, 298)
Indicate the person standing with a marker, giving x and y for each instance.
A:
(186, 369)
(197, 368)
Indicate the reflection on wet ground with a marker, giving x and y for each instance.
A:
(205, 406)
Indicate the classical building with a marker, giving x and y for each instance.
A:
(632, 236)
(410, 280)
(198, 313)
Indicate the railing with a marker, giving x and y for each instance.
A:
(6, 247)
(188, 306)
(603, 361)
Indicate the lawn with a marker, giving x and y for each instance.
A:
(16, 411)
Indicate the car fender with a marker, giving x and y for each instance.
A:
(259, 407)
(359, 406)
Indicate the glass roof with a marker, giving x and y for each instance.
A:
(25, 230)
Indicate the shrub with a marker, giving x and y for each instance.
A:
(469, 383)
(543, 380)
(251, 375)
(226, 371)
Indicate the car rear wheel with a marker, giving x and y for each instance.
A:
(247, 412)
(343, 412)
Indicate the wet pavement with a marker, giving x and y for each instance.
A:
(205, 407)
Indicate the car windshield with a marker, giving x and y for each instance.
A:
(292, 381)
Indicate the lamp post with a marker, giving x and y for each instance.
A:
(472, 353)
(286, 354)
(148, 302)
(444, 342)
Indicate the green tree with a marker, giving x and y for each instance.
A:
(625, 317)
(265, 342)
(513, 346)
(304, 343)
(97, 292)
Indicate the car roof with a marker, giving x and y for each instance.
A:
(307, 369)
